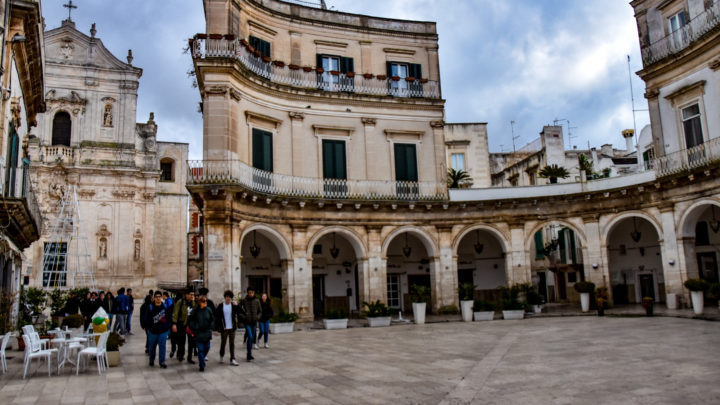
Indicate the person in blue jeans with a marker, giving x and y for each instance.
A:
(157, 324)
(250, 313)
(131, 304)
(202, 323)
(264, 322)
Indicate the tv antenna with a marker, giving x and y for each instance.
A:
(512, 129)
(632, 100)
(569, 130)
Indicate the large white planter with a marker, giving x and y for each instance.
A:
(335, 323)
(113, 358)
(466, 309)
(585, 301)
(671, 301)
(284, 327)
(419, 312)
(484, 315)
(537, 309)
(514, 314)
(697, 301)
(378, 321)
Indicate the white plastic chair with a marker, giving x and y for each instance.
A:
(3, 345)
(33, 349)
(97, 351)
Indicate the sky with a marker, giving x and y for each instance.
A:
(527, 61)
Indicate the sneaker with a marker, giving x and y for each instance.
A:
(172, 353)
(234, 362)
(267, 346)
(202, 369)
(191, 361)
(180, 359)
(255, 346)
(222, 360)
(163, 365)
(152, 364)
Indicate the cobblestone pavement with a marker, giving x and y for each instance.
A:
(563, 360)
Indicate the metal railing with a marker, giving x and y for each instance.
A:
(15, 184)
(688, 159)
(313, 78)
(680, 39)
(235, 172)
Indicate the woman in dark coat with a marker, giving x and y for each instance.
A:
(264, 322)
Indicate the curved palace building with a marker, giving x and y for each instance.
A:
(323, 179)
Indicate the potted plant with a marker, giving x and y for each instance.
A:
(419, 297)
(201, 36)
(466, 291)
(377, 313)
(697, 288)
(279, 63)
(510, 305)
(483, 310)
(647, 303)
(335, 319)
(601, 300)
(554, 172)
(215, 36)
(424, 81)
(584, 288)
(283, 322)
(350, 74)
(266, 59)
(535, 300)
(320, 70)
(37, 301)
(293, 67)
(57, 304)
(307, 69)
(229, 37)
(74, 322)
(381, 77)
(368, 75)
(112, 346)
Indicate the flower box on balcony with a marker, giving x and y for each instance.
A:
(215, 36)
(381, 77)
(230, 37)
(335, 72)
(279, 63)
(201, 36)
(410, 79)
(266, 59)
(307, 68)
(254, 51)
(350, 74)
(423, 80)
(244, 42)
(368, 75)
(293, 67)
(320, 70)
(395, 78)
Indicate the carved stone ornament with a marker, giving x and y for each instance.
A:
(138, 234)
(216, 89)
(57, 191)
(71, 102)
(715, 64)
(368, 121)
(651, 93)
(66, 49)
(103, 232)
(148, 197)
(236, 95)
(86, 193)
(294, 115)
(124, 194)
(437, 124)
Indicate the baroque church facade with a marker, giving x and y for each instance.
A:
(130, 186)
(324, 164)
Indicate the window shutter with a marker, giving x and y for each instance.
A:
(340, 170)
(327, 160)
(262, 150)
(389, 68)
(539, 245)
(411, 159)
(415, 70)
(346, 65)
(318, 60)
(561, 243)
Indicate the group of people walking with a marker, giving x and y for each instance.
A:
(192, 320)
(119, 308)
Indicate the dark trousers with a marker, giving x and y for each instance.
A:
(129, 321)
(181, 337)
(173, 342)
(250, 332)
(227, 334)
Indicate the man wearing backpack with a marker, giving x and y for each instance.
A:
(182, 310)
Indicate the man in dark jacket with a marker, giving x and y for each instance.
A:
(122, 309)
(182, 310)
(250, 312)
(157, 323)
(143, 312)
(72, 305)
(226, 322)
(130, 313)
(201, 323)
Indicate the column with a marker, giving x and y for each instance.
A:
(445, 285)
(216, 124)
(595, 263)
(671, 252)
(218, 242)
(519, 270)
(376, 266)
(300, 291)
(655, 122)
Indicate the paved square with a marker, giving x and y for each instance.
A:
(569, 360)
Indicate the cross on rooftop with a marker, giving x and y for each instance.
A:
(70, 6)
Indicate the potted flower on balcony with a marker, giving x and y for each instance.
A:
(483, 310)
(307, 69)
(335, 72)
(266, 59)
(419, 296)
(377, 313)
(350, 74)
(697, 289)
(647, 303)
(409, 79)
(243, 42)
(279, 63)
(293, 67)
(283, 322)
(466, 291)
(229, 37)
(335, 319)
(395, 78)
(368, 75)
(585, 288)
(381, 77)
(423, 81)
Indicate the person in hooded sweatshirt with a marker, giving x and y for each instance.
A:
(202, 323)
(157, 325)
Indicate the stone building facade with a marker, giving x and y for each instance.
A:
(328, 190)
(130, 186)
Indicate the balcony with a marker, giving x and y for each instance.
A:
(23, 222)
(312, 78)
(679, 40)
(237, 173)
(688, 159)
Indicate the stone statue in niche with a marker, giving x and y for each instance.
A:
(108, 116)
(137, 249)
(102, 248)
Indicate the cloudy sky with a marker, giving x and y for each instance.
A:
(528, 61)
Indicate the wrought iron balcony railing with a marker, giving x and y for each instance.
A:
(235, 172)
(688, 159)
(15, 184)
(312, 78)
(680, 39)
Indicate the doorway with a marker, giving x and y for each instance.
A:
(259, 283)
(647, 286)
(318, 283)
(707, 266)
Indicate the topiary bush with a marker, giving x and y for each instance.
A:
(584, 287)
(696, 284)
(73, 321)
(466, 291)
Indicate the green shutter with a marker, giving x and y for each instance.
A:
(346, 65)
(334, 166)
(318, 60)
(262, 150)
(573, 254)
(563, 250)
(405, 162)
(389, 68)
(415, 70)
(539, 245)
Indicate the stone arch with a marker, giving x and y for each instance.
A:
(686, 225)
(629, 214)
(277, 239)
(579, 233)
(428, 242)
(357, 243)
(482, 227)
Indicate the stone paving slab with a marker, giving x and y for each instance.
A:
(555, 360)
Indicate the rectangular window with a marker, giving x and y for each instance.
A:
(334, 168)
(393, 290)
(166, 171)
(54, 264)
(335, 73)
(678, 36)
(457, 161)
(692, 126)
(260, 45)
(648, 157)
(408, 75)
(262, 155)
(406, 172)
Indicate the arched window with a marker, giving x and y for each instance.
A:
(61, 129)
(167, 167)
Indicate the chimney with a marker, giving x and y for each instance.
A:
(628, 134)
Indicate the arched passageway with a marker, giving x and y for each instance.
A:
(557, 262)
